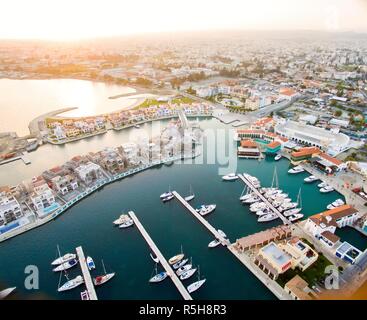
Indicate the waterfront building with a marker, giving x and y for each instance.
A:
(64, 184)
(304, 154)
(328, 164)
(263, 135)
(89, 172)
(273, 147)
(263, 124)
(298, 289)
(273, 260)
(10, 208)
(329, 220)
(248, 149)
(347, 252)
(329, 239)
(333, 143)
(42, 196)
(59, 132)
(109, 159)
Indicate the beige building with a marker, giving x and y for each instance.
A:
(298, 289)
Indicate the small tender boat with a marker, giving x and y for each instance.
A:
(337, 203)
(230, 177)
(214, 243)
(169, 198)
(310, 179)
(196, 285)
(295, 217)
(6, 292)
(295, 170)
(103, 278)
(278, 157)
(268, 217)
(222, 233)
(291, 212)
(159, 277)
(154, 258)
(71, 284)
(206, 209)
(66, 265)
(183, 269)
(84, 295)
(327, 189)
(187, 274)
(67, 257)
(126, 224)
(322, 185)
(180, 264)
(90, 263)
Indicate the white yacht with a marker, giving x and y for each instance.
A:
(71, 284)
(123, 218)
(251, 200)
(197, 284)
(222, 233)
(179, 264)
(295, 217)
(247, 196)
(278, 157)
(183, 269)
(322, 185)
(310, 179)
(159, 277)
(297, 169)
(291, 212)
(176, 258)
(263, 212)
(168, 198)
(126, 224)
(187, 274)
(214, 243)
(65, 258)
(6, 292)
(337, 203)
(90, 263)
(206, 209)
(99, 280)
(66, 265)
(230, 177)
(288, 206)
(279, 196)
(253, 180)
(258, 206)
(165, 195)
(268, 217)
(327, 189)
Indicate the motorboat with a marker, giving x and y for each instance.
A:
(253, 180)
(280, 195)
(310, 179)
(288, 206)
(206, 209)
(71, 284)
(230, 177)
(187, 274)
(90, 263)
(159, 277)
(191, 196)
(263, 212)
(183, 269)
(180, 264)
(168, 198)
(222, 233)
(295, 170)
(327, 189)
(252, 200)
(291, 212)
(66, 265)
(165, 195)
(154, 258)
(176, 258)
(65, 258)
(295, 217)
(6, 292)
(268, 217)
(121, 219)
(214, 243)
(247, 196)
(278, 157)
(197, 284)
(337, 203)
(322, 185)
(99, 280)
(258, 206)
(126, 224)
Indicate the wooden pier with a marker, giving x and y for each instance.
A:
(180, 287)
(86, 275)
(211, 229)
(269, 205)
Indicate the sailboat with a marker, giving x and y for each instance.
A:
(294, 211)
(159, 277)
(191, 196)
(154, 258)
(104, 278)
(69, 263)
(71, 284)
(176, 258)
(196, 285)
(6, 292)
(65, 258)
(166, 194)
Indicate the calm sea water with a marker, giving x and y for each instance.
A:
(23, 100)
(89, 223)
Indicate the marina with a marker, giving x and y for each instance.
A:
(180, 287)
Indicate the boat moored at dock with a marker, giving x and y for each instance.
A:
(337, 203)
(310, 179)
(268, 217)
(206, 209)
(65, 258)
(90, 263)
(230, 177)
(296, 169)
(71, 284)
(214, 243)
(66, 265)
(327, 189)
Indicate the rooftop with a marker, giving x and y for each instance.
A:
(298, 287)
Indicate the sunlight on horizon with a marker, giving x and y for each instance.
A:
(73, 20)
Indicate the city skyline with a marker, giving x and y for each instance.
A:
(70, 20)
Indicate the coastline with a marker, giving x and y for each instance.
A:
(53, 215)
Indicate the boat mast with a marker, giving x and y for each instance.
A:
(299, 198)
(104, 269)
(275, 182)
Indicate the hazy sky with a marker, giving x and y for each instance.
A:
(75, 19)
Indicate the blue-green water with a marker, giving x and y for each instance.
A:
(89, 223)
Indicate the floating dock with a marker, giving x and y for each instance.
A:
(86, 275)
(212, 230)
(180, 287)
(269, 205)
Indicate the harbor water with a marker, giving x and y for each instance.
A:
(89, 224)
